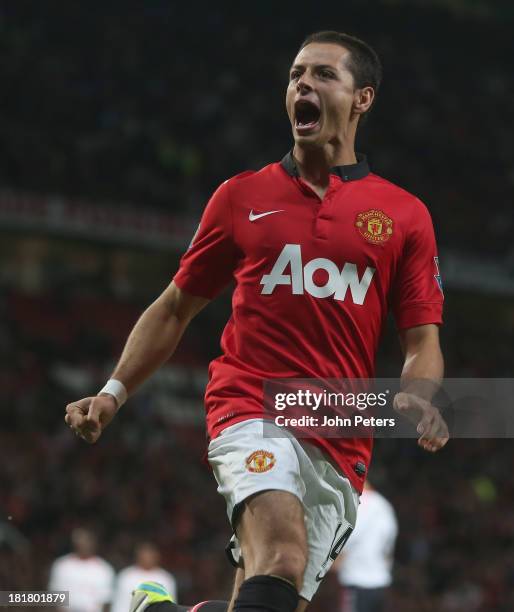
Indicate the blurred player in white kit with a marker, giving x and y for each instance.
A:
(88, 578)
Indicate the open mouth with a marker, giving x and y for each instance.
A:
(307, 116)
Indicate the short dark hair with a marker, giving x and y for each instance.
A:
(363, 63)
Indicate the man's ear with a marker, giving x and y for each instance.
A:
(363, 99)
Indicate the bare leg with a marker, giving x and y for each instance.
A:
(271, 531)
(272, 535)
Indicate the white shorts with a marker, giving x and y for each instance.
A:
(245, 463)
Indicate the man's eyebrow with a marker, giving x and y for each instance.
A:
(318, 66)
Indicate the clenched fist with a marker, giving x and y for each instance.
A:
(428, 420)
(90, 416)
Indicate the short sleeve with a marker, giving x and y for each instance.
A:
(208, 265)
(417, 292)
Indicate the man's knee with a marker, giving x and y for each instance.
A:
(286, 560)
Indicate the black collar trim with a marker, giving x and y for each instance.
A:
(351, 172)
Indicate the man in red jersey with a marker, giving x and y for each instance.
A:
(320, 249)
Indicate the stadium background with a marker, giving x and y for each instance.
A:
(118, 120)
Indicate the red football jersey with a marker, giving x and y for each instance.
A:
(314, 282)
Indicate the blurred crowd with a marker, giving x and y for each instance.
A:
(156, 103)
(145, 480)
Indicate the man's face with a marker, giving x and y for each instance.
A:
(147, 556)
(320, 94)
(84, 542)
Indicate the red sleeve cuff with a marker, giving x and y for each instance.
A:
(424, 313)
(194, 286)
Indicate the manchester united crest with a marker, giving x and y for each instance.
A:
(375, 226)
(260, 461)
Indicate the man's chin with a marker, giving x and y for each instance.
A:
(308, 141)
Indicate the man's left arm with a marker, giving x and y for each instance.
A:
(421, 377)
(417, 303)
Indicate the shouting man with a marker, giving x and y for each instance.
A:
(320, 249)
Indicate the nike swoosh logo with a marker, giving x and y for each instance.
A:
(253, 217)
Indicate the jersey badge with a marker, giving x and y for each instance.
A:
(374, 225)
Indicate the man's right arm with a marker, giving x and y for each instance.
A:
(156, 336)
(151, 343)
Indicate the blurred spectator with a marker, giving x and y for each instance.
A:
(365, 565)
(145, 569)
(87, 577)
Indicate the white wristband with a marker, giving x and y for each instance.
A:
(117, 390)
